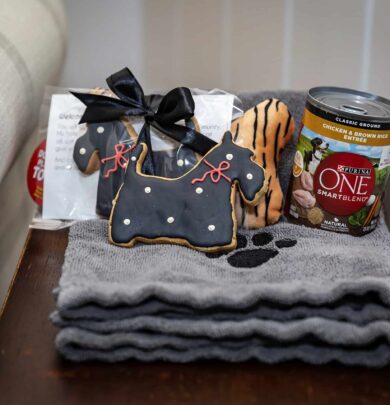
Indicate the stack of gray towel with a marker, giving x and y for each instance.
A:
(288, 292)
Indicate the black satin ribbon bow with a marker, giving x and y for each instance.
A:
(176, 105)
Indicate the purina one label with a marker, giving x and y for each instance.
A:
(342, 162)
(343, 183)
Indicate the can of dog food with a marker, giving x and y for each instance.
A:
(342, 161)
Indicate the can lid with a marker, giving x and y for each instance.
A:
(351, 103)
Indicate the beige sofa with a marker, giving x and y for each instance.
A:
(32, 51)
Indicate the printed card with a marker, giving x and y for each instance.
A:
(67, 193)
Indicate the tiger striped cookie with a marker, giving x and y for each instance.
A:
(266, 129)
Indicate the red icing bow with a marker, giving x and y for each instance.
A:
(119, 157)
(215, 173)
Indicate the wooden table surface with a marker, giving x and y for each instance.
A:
(31, 371)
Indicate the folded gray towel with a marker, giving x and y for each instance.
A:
(185, 291)
(315, 269)
(357, 310)
(320, 330)
(79, 345)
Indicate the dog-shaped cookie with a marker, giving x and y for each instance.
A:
(195, 210)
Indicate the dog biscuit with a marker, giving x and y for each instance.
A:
(196, 210)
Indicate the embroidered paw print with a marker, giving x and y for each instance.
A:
(247, 257)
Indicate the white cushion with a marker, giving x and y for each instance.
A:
(32, 50)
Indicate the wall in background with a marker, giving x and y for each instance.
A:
(237, 45)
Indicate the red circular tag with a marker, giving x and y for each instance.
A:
(343, 183)
(35, 173)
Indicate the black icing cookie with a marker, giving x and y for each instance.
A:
(105, 147)
(195, 210)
